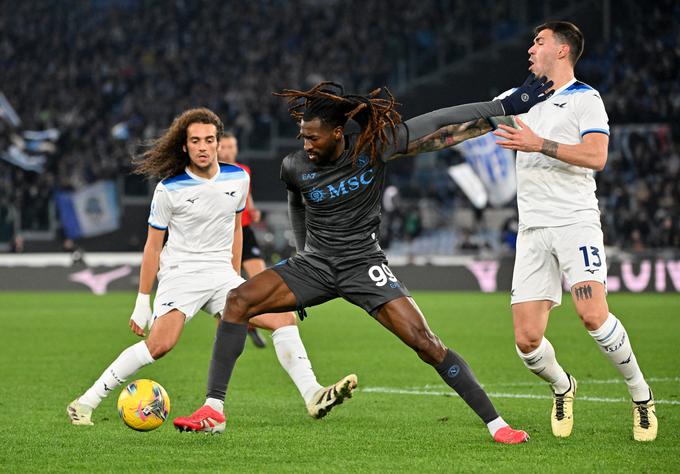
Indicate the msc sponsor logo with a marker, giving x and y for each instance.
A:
(344, 187)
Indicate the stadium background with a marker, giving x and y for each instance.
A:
(85, 83)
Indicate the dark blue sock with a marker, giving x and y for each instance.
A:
(229, 343)
(458, 375)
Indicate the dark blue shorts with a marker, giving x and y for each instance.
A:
(363, 280)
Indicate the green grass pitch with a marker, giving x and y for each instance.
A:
(402, 418)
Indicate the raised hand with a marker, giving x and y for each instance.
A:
(530, 93)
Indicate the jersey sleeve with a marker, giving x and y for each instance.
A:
(161, 208)
(396, 142)
(245, 189)
(285, 173)
(592, 116)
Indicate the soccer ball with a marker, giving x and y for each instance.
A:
(143, 405)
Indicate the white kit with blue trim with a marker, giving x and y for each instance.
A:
(551, 192)
(199, 214)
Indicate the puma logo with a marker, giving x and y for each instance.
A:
(99, 283)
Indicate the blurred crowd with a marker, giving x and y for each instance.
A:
(637, 71)
(109, 74)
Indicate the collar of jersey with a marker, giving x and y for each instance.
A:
(564, 87)
(198, 178)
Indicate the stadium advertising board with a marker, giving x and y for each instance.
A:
(103, 272)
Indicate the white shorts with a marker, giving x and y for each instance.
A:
(544, 253)
(192, 289)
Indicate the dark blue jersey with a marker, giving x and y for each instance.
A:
(342, 200)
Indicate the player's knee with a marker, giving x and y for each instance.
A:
(528, 342)
(592, 318)
(158, 349)
(236, 307)
(428, 347)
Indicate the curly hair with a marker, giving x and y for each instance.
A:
(328, 102)
(165, 156)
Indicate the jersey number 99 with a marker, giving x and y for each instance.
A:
(381, 275)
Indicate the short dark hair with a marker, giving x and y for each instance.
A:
(228, 134)
(568, 33)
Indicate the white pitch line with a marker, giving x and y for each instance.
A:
(408, 391)
(542, 384)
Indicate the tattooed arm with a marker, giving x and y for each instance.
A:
(431, 131)
(590, 153)
(446, 136)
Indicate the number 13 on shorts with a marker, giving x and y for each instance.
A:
(591, 256)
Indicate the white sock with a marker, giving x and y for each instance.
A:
(293, 358)
(613, 341)
(543, 363)
(128, 362)
(215, 403)
(495, 425)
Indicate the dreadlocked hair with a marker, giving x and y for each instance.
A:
(328, 102)
(165, 156)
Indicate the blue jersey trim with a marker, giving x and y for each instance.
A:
(180, 181)
(240, 210)
(229, 168)
(157, 226)
(595, 130)
(229, 172)
(576, 88)
(175, 179)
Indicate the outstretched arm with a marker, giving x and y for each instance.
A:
(429, 132)
(446, 137)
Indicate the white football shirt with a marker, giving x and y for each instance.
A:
(550, 192)
(199, 215)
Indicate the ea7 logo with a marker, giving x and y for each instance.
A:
(308, 176)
